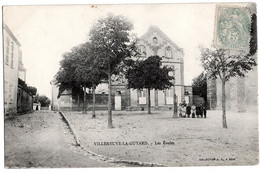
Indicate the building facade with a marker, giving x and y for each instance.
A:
(11, 72)
(153, 42)
(188, 94)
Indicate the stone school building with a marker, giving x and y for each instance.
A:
(153, 42)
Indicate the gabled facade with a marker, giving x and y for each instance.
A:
(153, 42)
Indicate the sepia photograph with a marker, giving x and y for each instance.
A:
(130, 85)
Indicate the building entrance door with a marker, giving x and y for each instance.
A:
(118, 103)
(187, 100)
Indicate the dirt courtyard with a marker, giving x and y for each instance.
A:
(41, 139)
(159, 138)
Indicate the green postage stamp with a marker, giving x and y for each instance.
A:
(232, 27)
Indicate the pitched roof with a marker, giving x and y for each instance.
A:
(154, 29)
(11, 34)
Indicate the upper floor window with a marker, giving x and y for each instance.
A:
(168, 52)
(142, 96)
(142, 51)
(169, 93)
(12, 56)
(142, 93)
(7, 50)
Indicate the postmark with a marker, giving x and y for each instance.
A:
(232, 27)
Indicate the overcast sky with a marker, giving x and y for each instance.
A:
(46, 32)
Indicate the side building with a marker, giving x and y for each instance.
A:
(241, 93)
(17, 99)
(11, 61)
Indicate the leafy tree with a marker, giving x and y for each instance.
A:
(44, 100)
(78, 71)
(87, 72)
(220, 63)
(148, 74)
(111, 42)
(33, 90)
(63, 82)
(66, 76)
(81, 53)
(199, 86)
(27, 88)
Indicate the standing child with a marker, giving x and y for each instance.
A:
(193, 109)
(201, 110)
(183, 111)
(180, 110)
(198, 112)
(205, 111)
(188, 110)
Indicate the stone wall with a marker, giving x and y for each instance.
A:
(100, 99)
(241, 93)
(24, 101)
(211, 94)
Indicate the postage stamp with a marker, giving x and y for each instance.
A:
(232, 27)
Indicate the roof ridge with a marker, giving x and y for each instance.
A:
(160, 32)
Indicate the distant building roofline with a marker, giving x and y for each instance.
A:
(11, 34)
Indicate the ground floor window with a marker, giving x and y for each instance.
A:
(142, 96)
(11, 99)
(6, 92)
(169, 96)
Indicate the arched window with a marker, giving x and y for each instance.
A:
(155, 40)
(142, 50)
(168, 52)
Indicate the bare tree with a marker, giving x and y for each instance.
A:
(222, 64)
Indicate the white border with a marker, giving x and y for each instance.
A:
(218, 169)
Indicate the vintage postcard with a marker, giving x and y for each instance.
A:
(140, 85)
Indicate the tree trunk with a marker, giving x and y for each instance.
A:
(149, 101)
(175, 110)
(94, 100)
(85, 102)
(224, 121)
(109, 99)
(78, 103)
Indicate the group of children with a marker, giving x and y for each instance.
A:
(187, 110)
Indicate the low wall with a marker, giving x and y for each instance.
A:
(24, 100)
(101, 102)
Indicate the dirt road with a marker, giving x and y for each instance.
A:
(42, 139)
